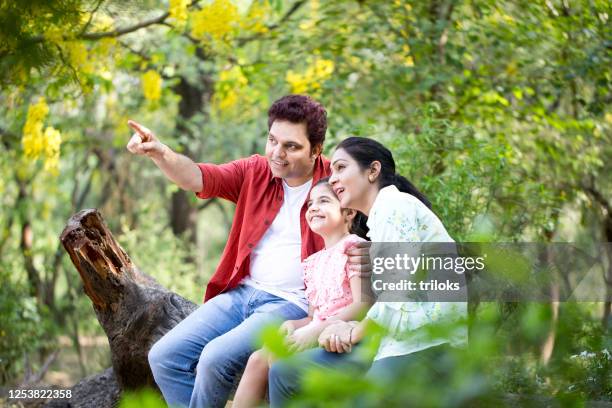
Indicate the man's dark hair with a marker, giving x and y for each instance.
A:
(301, 109)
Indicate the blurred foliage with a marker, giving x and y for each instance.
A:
(498, 110)
(145, 398)
(21, 325)
(495, 369)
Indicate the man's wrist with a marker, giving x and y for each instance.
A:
(165, 152)
(161, 156)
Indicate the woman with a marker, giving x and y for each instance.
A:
(364, 179)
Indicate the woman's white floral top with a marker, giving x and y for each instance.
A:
(400, 217)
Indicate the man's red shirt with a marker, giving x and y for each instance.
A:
(258, 197)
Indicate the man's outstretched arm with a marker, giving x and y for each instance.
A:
(179, 169)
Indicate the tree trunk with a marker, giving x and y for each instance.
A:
(183, 215)
(132, 308)
(607, 312)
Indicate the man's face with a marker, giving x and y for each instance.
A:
(289, 153)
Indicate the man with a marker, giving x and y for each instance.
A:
(259, 277)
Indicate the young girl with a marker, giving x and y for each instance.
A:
(333, 292)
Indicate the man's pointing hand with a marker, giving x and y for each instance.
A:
(144, 142)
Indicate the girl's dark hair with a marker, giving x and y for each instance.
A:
(359, 225)
(365, 151)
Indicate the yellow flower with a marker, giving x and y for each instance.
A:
(298, 82)
(103, 22)
(151, 85)
(314, 15)
(323, 68)
(216, 20)
(54, 34)
(36, 143)
(32, 139)
(77, 53)
(105, 47)
(255, 19)
(312, 78)
(178, 11)
(230, 85)
(78, 56)
(53, 140)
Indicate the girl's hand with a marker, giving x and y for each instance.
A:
(303, 338)
(287, 328)
(336, 337)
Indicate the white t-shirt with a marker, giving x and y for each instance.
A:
(276, 265)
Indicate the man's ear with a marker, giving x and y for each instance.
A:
(316, 151)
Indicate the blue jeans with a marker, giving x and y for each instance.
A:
(196, 362)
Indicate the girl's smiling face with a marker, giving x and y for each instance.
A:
(325, 215)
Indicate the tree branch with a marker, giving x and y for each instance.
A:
(126, 30)
(110, 34)
(296, 6)
(91, 15)
(598, 197)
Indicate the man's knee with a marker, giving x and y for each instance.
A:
(219, 363)
(158, 355)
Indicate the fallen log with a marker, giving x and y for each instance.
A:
(133, 309)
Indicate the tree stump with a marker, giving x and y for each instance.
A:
(133, 309)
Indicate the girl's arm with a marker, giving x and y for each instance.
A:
(354, 311)
(289, 326)
(307, 334)
(361, 303)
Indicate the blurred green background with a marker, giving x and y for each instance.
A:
(500, 111)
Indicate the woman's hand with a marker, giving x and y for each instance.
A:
(336, 337)
(359, 259)
(303, 338)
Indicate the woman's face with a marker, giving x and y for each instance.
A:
(349, 182)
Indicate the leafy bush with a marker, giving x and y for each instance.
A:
(22, 324)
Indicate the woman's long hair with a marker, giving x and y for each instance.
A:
(365, 151)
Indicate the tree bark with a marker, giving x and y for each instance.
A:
(183, 214)
(132, 308)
